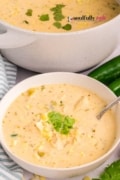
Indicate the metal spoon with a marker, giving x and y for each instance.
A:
(107, 107)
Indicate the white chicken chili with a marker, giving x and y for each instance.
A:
(55, 125)
(57, 15)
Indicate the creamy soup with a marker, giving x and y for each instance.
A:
(57, 15)
(56, 126)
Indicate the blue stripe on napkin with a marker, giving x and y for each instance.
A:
(8, 72)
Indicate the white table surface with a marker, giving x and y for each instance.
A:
(23, 73)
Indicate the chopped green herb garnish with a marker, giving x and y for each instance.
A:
(57, 12)
(29, 12)
(67, 27)
(58, 17)
(26, 22)
(57, 25)
(60, 122)
(44, 17)
(14, 135)
(58, 7)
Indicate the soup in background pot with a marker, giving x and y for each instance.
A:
(58, 15)
(55, 125)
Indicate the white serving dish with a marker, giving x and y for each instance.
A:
(60, 77)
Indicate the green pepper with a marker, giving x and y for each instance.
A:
(115, 86)
(107, 72)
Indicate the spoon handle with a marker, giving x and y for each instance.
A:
(108, 107)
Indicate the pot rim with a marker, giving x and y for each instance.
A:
(30, 32)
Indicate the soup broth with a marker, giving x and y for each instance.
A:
(58, 15)
(56, 126)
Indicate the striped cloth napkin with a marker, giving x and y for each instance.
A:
(9, 170)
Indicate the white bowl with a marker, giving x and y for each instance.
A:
(59, 77)
(48, 52)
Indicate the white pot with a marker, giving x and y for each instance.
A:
(71, 51)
